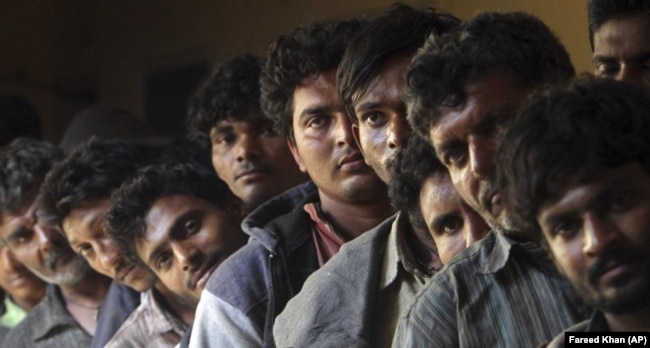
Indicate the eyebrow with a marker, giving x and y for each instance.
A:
(637, 57)
(172, 231)
(222, 128)
(316, 110)
(368, 105)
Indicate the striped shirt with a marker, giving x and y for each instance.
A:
(497, 293)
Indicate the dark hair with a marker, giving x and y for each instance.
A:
(568, 134)
(192, 149)
(125, 220)
(413, 164)
(601, 11)
(94, 169)
(228, 93)
(305, 52)
(401, 31)
(517, 43)
(24, 163)
(18, 118)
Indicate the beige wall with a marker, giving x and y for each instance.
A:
(110, 45)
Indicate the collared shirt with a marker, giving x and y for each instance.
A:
(499, 292)
(399, 281)
(13, 313)
(150, 325)
(48, 325)
(597, 323)
(326, 240)
(119, 303)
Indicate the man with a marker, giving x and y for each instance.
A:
(421, 186)
(619, 33)
(67, 316)
(295, 233)
(583, 188)
(22, 291)
(247, 154)
(180, 220)
(464, 88)
(75, 197)
(370, 83)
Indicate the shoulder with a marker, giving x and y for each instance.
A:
(558, 341)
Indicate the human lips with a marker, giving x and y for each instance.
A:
(123, 272)
(251, 173)
(351, 162)
(614, 266)
(199, 278)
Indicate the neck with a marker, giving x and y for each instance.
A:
(28, 303)
(638, 320)
(352, 219)
(90, 290)
(174, 305)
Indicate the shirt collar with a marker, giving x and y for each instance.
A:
(505, 246)
(54, 315)
(398, 254)
(162, 320)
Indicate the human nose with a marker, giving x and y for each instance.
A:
(398, 132)
(343, 131)
(44, 238)
(186, 256)
(109, 255)
(481, 157)
(475, 230)
(248, 146)
(598, 234)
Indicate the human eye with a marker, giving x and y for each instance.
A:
(19, 237)
(163, 260)
(606, 69)
(316, 122)
(454, 157)
(373, 118)
(223, 139)
(192, 225)
(449, 225)
(621, 201)
(565, 229)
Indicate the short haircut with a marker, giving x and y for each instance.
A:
(90, 172)
(125, 220)
(18, 118)
(303, 53)
(228, 93)
(24, 163)
(192, 149)
(601, 11)
(516, 43)
(401, 31)
(569, 134)
(413, 164)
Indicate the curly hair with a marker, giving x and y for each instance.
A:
(24, 163)
(401, 31)
(517, 43)
(228, 93)
(601, 11)
(567, 134)
(413, 164)
(91, 172)
(193, 149)
(125, 220)
(302, 53)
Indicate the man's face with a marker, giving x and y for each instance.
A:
(450, 221)
(252, 159)
(41, 248)
(382, 127)
(84, 228)
(324, 146)
(186, 239)
(16, 279)
(599, 235)
(622, 50)
(467, 137)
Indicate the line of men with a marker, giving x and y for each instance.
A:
(413, 180)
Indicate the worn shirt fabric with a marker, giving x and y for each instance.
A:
(119, 303)
(48, 325)
(499, 292)
(597, 323)
(150, 325)
(399, 281)
(353, 296)
(326, 240)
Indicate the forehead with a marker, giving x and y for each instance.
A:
(316, 91)
(9, 220)
(253, 118)
(389, 78)
(626, 36)
(86, 217)
(438, 193)
(495, 94)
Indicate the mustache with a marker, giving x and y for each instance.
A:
(612, 256)
(52, 257)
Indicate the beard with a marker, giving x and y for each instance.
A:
(68, 274)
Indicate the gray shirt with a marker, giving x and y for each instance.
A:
(499, 292)
(48, 325)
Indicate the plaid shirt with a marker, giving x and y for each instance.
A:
(149, 326)
(497, 293)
